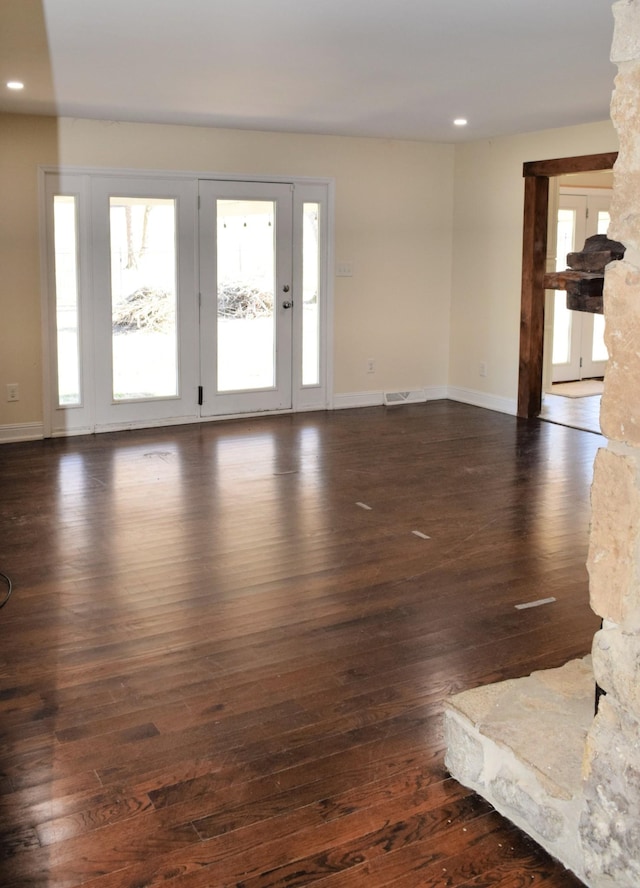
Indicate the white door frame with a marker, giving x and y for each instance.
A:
(586, 202)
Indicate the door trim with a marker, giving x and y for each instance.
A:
(534, 253)
(310, 188)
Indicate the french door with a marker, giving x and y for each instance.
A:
(579, 351)
(246, 296)
(174, 299)
(145, 313)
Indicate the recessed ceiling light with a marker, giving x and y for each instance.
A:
(15, 84)
(460, 121)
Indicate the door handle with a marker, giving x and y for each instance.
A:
(287, 304)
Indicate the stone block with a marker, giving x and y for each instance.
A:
(610, 821)
(542, 818)
(616, 667)
(620, 408)
(626, 34)
(612, 562)
(625, 115)
(625, 211)
(520, 744)
(464, 756)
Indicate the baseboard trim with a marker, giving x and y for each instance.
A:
(34, 431)
(350, 400)
(482, 399)
(28, 431)
(436, 392)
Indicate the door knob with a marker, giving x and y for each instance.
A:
(287, 304)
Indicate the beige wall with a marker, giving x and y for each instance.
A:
(427, 317)
(487, 252)
(394, 203)
(25, 142)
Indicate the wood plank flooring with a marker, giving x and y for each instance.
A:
(225, 656)
(579, 413)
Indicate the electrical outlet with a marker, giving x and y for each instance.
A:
(13, 391)
(371, 366)
(483, 368)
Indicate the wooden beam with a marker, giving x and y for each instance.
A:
(584, 282)
(534, 251)
(561, 166)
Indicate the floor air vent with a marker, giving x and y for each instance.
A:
(413, 397)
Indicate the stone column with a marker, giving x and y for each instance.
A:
(610, 821)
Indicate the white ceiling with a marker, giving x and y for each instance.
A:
(382, 68)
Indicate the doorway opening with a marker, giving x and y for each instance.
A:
(534, 265)
(575, 353)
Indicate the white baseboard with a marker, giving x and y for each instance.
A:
(436, 392)
(358, 399)
(28, 431)
(377, 399)
(482, 399)
(34, 431)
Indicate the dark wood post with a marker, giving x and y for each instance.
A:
(534, 255)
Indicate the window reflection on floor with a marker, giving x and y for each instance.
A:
(578, 413)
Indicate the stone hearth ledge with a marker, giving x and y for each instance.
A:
(520, 744)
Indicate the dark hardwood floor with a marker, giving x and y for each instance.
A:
(225, 655)
(579, 413)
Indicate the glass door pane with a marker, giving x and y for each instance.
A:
(567, 325)
(67, 304)
(143, 298)
(599, 350)
(562, 317)
(310, 294)
(246, 295)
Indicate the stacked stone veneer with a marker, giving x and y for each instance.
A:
(585, 808)
(610, 820)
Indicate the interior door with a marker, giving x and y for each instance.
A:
(579, 351)
(247, 301)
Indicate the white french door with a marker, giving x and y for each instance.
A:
(247, 296)
(173, 299)
(579, 351)
(145, 310)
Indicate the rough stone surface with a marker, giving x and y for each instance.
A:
(544, 819)
(610, 822)
(520, 744)
(615, 539)
(523, 714)
(616, 666)
(625, 115)
(625, 212)
(620, 408)
(626, 37)
(464, 756)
